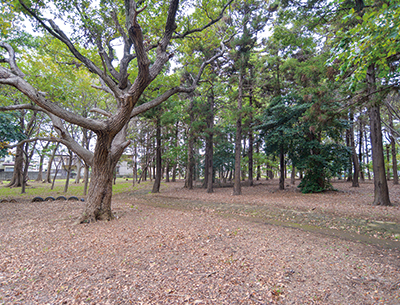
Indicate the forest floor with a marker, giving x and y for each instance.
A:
(189, 247)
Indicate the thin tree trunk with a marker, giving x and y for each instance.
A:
(55, 175)
(210, 151)
(190, 161)
(251, 144)
(293, 175)
(258, 163)
(41, 160)
(157, 180)
(134, 174)
(354, 153)
(176, 159)
(388, 162)
(28, 158)
(348, 144)
(49, 165)
(393, 147)
(381, 191)
(237, 189)
(360, 151)
(68, 171)
(282, 169)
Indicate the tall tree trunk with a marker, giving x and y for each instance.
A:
(258, 164)
(394, 152)
(293, 175)
(367, 156)
(282, 168)
(237, 189)
(134, 174)
(251, 144)
(350, 169)
(354, 153)
(209, 144)
(190, 161)
(388, 162)
(381, 191)
(360, 150)
(167, 169)
(157, 180)
(176, 159)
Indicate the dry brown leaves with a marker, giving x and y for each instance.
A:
(155, 255)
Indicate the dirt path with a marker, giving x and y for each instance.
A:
(192, 252)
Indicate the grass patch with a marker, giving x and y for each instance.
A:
(43, 189)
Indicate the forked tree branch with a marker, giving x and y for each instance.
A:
(11, 59)
(210, 23)
(158, 100)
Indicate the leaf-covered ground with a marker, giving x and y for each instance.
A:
(190, 247)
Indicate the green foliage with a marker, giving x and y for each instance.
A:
(320, 162)
(9, 131)
(373, 38)
(289, 125)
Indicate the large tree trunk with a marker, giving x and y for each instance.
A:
(237, 189)
(17, 178)
(98, 203)
(157, 180)
(381, 192)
